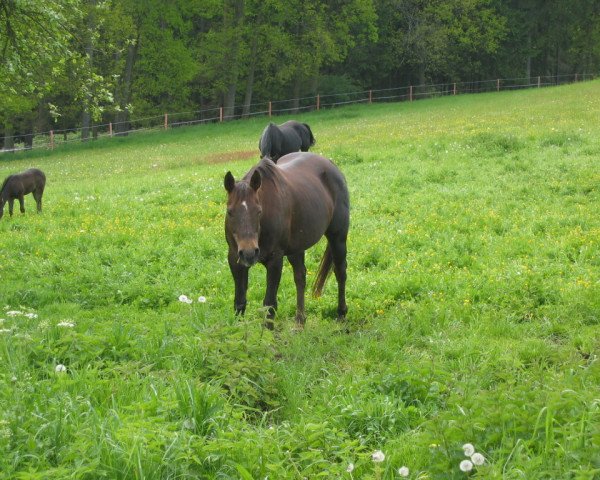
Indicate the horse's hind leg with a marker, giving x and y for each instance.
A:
(337, 244)
(37, 194)
(11, 202)
(297, 262)
(22, 203)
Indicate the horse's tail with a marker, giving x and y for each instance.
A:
(324, 271)
(265, 144)
(312, 138)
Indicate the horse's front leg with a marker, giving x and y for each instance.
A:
(22, 203)
(297, 262)
(240, 279)
(274, 267)
(11, 203)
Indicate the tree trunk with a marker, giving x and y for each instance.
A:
(86, 117)
(123, 93)
(296, 94)
(234, 26)
(250, 79)
(9, 139)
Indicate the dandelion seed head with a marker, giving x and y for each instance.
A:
(378, 456)
(350, 468)
(466, 466)
(185, 299)
(60, 368)
(403, 471)
(477, 459)
(469, 449)
(201, 299)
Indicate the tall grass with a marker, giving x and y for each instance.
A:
(474, 296)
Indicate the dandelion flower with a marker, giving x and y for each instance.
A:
(466, 465)
(477, 459)
(60, 368)
(185, 299)
(378, 456)
(468, 449)
(350, 468)
(201, 299)
(403, 471)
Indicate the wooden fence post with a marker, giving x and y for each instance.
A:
(498, 85)
(220, 114)
(51, 139)
(270, 109)
(576, 77)
(454, 89)
(410, 93)
(370, 96)
(166, 121)
(318, 102)
(110, 129)
(539, 81)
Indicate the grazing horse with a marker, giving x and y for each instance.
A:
(288, 137)
(19, 185)
(283, 209)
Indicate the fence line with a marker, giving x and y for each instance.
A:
(51, 138)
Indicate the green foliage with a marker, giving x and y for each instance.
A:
(473, 294)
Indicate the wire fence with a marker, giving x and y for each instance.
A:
(55, 138)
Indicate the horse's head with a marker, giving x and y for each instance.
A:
(242, 222)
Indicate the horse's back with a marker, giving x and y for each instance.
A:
(303, 169)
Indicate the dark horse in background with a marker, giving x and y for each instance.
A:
(283, 209)
(18, 185)
(279, 140)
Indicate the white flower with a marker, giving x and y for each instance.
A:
(14, 313)
(466, 466)
(477, 459)
(403, 471)
(65, 324)
(378, 456)
(31, 315)
(468, 449)
(350, 468)
(60, 368)
(185, 299)
(201, 299)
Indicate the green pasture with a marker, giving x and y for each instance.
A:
(473, 294)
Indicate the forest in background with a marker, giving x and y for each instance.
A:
(72, 63)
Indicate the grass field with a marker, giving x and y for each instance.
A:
(473, 293)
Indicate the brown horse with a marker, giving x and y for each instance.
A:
(19, 185)
(283, 209)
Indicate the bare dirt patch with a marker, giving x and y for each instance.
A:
(231, 156)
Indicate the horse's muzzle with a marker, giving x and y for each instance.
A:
(248, 256)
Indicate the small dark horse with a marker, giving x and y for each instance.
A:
(288, 137)
(19, 185)
(282, 210)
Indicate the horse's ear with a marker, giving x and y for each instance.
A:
(229, 182)
(255, 181)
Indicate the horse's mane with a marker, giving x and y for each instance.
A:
(267, 168)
